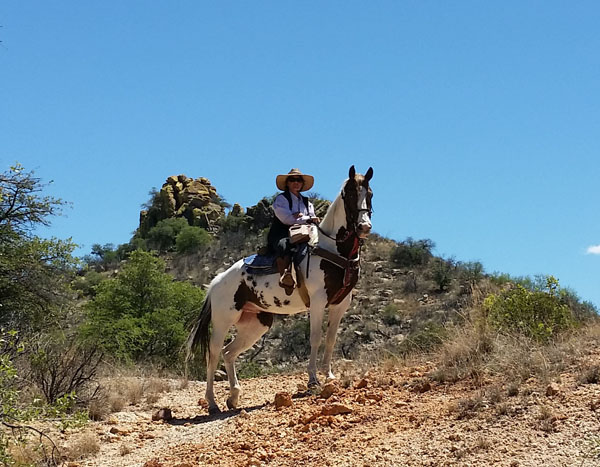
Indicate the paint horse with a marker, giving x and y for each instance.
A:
(248, 301)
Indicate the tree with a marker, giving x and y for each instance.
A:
(22, 207)
(191, 238)
(411, 253)
(142, 313)
(34, 272)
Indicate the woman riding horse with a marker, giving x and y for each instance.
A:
(290, 208)
(247, 301)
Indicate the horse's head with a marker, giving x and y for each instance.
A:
(357, 197)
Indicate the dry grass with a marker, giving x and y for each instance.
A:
(85, 445)
(157, 385)
(546, 419)
(467, 407)
(125, 449)
(589, 374)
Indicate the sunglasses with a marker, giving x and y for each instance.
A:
(295, 179)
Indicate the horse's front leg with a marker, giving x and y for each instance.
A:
(316, 322)
(335, 316)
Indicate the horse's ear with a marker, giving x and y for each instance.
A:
(352, 173)
(369, 174)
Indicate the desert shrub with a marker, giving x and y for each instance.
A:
(61, 365)
(471, 272)
(164, 234)
(295, 338)
(190, 239)
(249, 370)
(86, 284)
(539, 314)
(142, 313)
(463, 353)
(410, 253)
(234, 223)
(390, 314)
(441, 272)
(426, 339)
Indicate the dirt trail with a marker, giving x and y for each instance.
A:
(387, 418)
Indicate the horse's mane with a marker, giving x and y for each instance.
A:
(328, 220)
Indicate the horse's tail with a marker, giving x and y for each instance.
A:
(200, 334)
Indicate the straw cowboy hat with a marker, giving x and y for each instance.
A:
(309, 180)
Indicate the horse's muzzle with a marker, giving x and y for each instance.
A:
(364, 230)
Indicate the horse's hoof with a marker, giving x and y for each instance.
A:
(231, 405)
(214, 410)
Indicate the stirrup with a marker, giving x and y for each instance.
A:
(287, 282)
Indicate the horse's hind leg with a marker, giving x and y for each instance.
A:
(250, 328)
(219, 331)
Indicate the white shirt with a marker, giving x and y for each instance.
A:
(282, 210)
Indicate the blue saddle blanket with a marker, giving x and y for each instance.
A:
(266, 264)
(261, 264)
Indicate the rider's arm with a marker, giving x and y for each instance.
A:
(281, 207)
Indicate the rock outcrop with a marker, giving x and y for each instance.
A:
(181, 196)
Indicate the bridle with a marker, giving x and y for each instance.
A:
(353, 224)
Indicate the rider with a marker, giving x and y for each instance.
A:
(290, 208)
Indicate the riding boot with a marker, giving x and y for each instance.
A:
(286, 280)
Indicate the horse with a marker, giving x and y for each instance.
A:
(249, 301)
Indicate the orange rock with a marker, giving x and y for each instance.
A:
(363, 383)
(162, 414)
(153, 463)
(283, 399)
(374, 396)
(335, 409)
(328, 390)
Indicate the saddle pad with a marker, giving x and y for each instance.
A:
(260, 264)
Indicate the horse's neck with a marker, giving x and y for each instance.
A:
(334, 219)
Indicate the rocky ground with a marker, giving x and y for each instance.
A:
(392, 415)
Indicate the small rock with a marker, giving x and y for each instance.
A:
(363, 383)
(220, 375)
(328, 390)
(203, 403)
(302, 387)
(162, 414)
(283, 399)
(375, 396)
(552, 390)
(335, 409)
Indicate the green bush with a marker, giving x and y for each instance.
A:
(441, 272)
(539, 314)
(163, 235)
(426, 339)
(390, 315)
(142, 314)
(190, 239)
(412, 253)
(471, 272)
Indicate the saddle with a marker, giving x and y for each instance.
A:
(260, 265)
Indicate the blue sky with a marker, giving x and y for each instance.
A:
(481, 119)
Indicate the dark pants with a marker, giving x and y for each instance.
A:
(283, 247)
